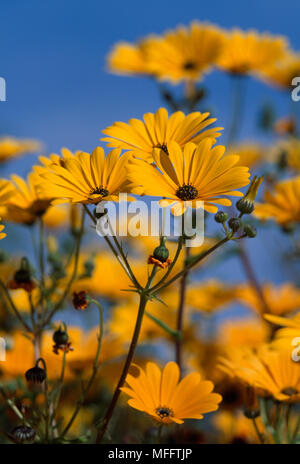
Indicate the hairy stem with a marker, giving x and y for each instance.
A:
(130, 355)
(180, 313)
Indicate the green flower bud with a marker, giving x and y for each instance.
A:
(246, 204)
(250, 231)
(60, 337)
(35, 375)
(234, 224)
(251, 413)
(161, 253)
(221, 217)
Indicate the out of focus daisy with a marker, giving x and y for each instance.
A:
(87, 178)
(250, 153)
(166, 399)
(210, 296)
(197, 174)
(185, 53)
(6, 191)
(280, 299)
(273, 372)
(282, 204)
(2, 234)
(248, 52)
(129, 59)
(251, 332)
(11, 147)
(26, 203)
(281, 72)
(157, 130)
(291, 330)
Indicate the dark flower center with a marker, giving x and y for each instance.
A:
(100, 191)
(163, 147)
(164, 412)
(187, 192)
(189, 65)
(290, 391)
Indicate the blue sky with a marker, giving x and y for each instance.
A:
(52, 56)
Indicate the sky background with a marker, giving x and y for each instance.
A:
(52, 57)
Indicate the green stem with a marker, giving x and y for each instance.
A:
(159, 434)
(296, 429)
(237, 97)
(259, 435)
(130, 355)
(180, 313)
(14, 308)
(173, 333)
(93, 375)
(73, 276)
(170, 268)
(192, 263)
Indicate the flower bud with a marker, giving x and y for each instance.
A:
(251, 413)
(221, 217)
(250, 231)
(234, 224)
(22, 434)
(60, 337)
(80, 300)
(22, 277)
(246, 204)
(161, 253)
(35, 375)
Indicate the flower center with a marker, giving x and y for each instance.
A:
(100, 191)
(163, 147)
(189, 65)
(290, 391)
(187, 192)
(164, 412)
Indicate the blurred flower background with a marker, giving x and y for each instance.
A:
(72, 70)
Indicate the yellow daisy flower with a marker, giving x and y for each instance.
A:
(282, 72)
(158, 130)
(251, 332)
(6, 191)
(11, 147)
(87, 178)
(280, 299)
(185, 53)
(55, 159)
(210, 296)
(283, 204)
(291, 330)
(199, 173)
(271, 371)
(250, 153)
(166, 399)
(2, 234)
(247, 52)
(26, 203)
(129, 59)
